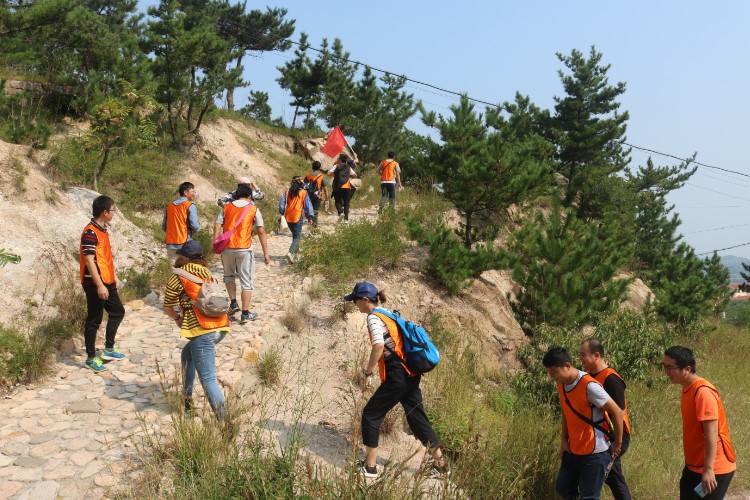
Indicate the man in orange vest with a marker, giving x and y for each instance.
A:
(100, 284)
(585, 450)
(180, 220)
(238, 258)
(390, 177)
(710, 461)
(591, 355)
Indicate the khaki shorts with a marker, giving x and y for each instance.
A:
(239, 263)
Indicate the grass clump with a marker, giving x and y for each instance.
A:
(269, 367)
(296, 315)
(353, 250)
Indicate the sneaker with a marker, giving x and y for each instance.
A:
(234, 307)
(346, 221)
(112, 355)
(341, 217)
(367, 471)
(290, 258)
(96, 365)
(248, 316)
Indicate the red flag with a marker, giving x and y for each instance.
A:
(335, 143)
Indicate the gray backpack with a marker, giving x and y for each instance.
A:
(212, 299)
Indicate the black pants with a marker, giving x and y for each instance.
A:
(316, 209)
(342, 197)
(615, 480)
(96, 308)
(690, 480)
(397, 388)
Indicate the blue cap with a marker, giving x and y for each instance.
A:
(363, 289)
(191, 249)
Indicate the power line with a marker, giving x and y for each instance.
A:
(715, 191)
(715, 229)
(685, 160)
(722, 249)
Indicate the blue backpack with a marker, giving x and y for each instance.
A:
(421, 354)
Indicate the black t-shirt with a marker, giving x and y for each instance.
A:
(615, 387)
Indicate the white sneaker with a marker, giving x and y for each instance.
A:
(290, 258)
(346, 221)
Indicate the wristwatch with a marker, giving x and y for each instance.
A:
(368, 374)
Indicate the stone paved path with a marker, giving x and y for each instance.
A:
(70, 435)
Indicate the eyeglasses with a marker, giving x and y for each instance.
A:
(669, 368)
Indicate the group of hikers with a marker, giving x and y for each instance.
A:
(595, 421)
(596, 425)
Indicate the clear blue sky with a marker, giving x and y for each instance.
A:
(685, 64)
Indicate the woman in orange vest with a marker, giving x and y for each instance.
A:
(201, 331)
(710, 461)
(397, 385)
(294, 201)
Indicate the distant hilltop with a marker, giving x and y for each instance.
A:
(734, 264)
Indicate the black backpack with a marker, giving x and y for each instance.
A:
(311, 186)
(341, 175)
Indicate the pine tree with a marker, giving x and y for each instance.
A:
(304, 80)
(258, 107)
(481, 173)
(257, 30)
(566, 269)
(339, 101)
(588, 132)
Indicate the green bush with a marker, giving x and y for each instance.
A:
(738, 313)
(24, 120)
(351, 251)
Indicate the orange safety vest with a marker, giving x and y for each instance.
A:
(177, 223)
(601, 377)
(581, 437)
(318, 180)
(295, 206)
(192, 290)
(387, 170)
(398, 345)
(693, 436)
(103, 258)
(243, 236)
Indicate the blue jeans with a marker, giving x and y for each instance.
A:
(387, 193)
(582, 476)
(296, 229)
(199, 355)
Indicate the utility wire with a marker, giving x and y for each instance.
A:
(722, 249)
(715, 229)
(685, 160)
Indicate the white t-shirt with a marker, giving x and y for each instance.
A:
(598, 397)
(378, 333)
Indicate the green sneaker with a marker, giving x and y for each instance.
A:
(112, 355)
(96, 365)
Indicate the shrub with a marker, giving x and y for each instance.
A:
(269, 367)
(296, 316)
(353, 250)
(738, 313)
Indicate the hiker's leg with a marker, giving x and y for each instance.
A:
(392, 194)
(203, 353)
(316, 209)
(115, 314)
(415, 415)
(95, 310)
(246, 270)
(338, 200)
(347, 198)
(230, 272)
(591, 474)
(188, 368)
(296, 229)
(382, 401)
(383, 196)
(567, 477)
(616, 480)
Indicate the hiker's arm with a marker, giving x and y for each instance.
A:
(352, 173)
(615, 414)
(217, 230)
(309, 211)
(263, 244)
(375, 354)
(711, 431)
(101, 289)
(564, 444)
(398, 175)
(177, 317)
(282, 203)
(193, 221)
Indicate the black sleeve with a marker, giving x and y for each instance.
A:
(615, 387)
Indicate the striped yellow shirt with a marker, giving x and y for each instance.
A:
(175, 296)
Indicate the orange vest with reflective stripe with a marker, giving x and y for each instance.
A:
(294, 206)
(177, 223)
(104, 262)
(243, 236)
(398, 345)
(601, 377)
(317, 178)
(388, 170)
(192, 290)
(693, 436)
(581, 437)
